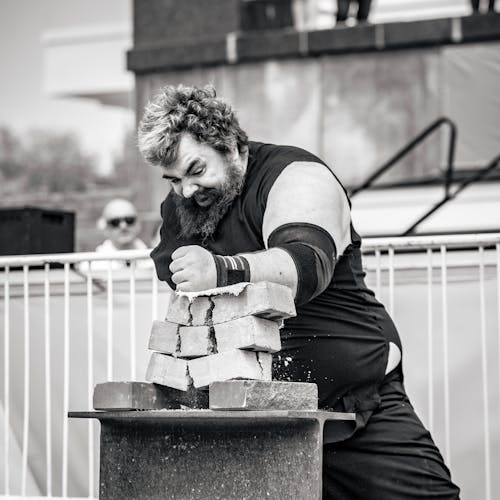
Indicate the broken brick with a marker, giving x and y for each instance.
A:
(264, 299)
(195, 341)
(167, 370)
(116, 396)
(230, 365)
(248, 332)
(189, 313)
(164, 337)
(200, 311)
(258, 395)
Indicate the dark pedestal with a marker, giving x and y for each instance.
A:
(205, 454)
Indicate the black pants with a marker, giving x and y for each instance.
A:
(475, 5)
(392, 458)
(343, 9)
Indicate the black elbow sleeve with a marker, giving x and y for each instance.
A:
(314, 254)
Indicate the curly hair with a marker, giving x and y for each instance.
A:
(197, 111)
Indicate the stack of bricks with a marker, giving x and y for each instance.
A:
(219, 337)
(223, 342)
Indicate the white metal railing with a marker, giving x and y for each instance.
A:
(88, 321)
(57, 305)
(466, 268)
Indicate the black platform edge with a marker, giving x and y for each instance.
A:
(197, 415)
(251, 46)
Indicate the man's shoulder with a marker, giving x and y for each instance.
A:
(272, 148)
(279, 154)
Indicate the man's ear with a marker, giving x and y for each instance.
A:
(101, 224)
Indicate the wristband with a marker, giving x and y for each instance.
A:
(231, 269)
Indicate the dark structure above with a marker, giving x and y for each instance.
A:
(222, 46)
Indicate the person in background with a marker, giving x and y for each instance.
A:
(362, 13)
(475, 6)
(120, 224)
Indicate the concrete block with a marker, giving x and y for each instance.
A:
(180, 310)
(258, 395)
(342, 39)
(248, 332)
(164, 337)
(115, 396)
(266, 364)
(195, 341)
(201, 311)
(268, 44)
(169, 371)
(266, 300)
(418, 33)
(230, 365)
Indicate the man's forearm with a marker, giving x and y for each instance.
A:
(274, 265)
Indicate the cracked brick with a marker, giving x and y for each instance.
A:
(248, 332)
(180, 310)
(200, 310)
(266, 300)
(164, 337)
(168, 370)
(228, 365)
(195, 341)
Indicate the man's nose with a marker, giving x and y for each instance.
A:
(188, 189)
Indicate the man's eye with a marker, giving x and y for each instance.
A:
(173, 180)
(198, 170)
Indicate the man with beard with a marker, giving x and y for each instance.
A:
(248, 211)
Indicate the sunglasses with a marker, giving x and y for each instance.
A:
(116, 221)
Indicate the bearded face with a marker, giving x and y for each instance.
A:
(200, 214)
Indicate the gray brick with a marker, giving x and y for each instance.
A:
(230, 365)
(164, 337)
(266, 300)
(115, 396)
(169, 371)
(257, 395)
(195, 341)
(248, 332)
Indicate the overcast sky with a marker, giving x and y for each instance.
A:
(22, 102)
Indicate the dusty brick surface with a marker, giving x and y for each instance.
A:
(266, 364)
(248, 332)
(199, 310)
(178, 310)
(195, 341)
(266, 300)
(164, 337)
(169, 371)
(258, 395)
(230, 365)
(114, 396)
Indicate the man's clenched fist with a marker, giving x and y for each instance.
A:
(193, 269)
